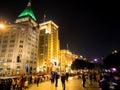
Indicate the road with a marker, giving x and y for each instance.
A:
(72, 84)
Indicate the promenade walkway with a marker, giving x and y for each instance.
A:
(72, 84)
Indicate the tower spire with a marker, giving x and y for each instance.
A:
(44, 18)
(67, 46)
(28, 11)
(29, 3)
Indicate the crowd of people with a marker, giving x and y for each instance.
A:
(109, 81)
(18, 82)
(55, 76)
(23, 81)
(14, 83)
(105, 80)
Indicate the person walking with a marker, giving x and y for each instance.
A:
(1, 85)
(67, 76)
(21, 83)
(56, 79)
(37, 81)
(83, 79)
(94, 77)
(114, 81)
(26, 84)
(90, 78)
(63, 78)
(13, 83)
(52, 77)
(103, 82)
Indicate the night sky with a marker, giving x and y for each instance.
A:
(90, 28)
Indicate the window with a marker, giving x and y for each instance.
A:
(21, 46)
(4, 50)
(11, 46)
(20, 50)
(9, 60)
(18, 66)
(10, 50)
(4, 46)
(21, 41)
(12, 41)
(5, 41)
(10, 55)
(18, 59)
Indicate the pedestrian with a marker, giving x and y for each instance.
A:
(103, 82)
(56, 79)
(98, 78)
(90, 77)
(1, 84)
(21, 83)
(26, 84)
(67, 76)
(17, 81)
(37, 81)
(52, 77)
(116, 83)
(83, 79)
(94, 77)
(13, 83)
(63, 78)
(30, 79)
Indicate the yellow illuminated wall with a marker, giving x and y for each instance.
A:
(48, 45)
(66, 59)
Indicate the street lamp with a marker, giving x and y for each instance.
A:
(2, 26)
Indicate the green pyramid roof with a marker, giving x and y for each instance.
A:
(28, 12)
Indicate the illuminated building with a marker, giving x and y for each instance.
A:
(48, 46)
(19, 45)
(66, 59)
(25, 47)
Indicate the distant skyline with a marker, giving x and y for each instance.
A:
(90, 28)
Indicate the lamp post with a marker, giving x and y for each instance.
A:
(1, 26)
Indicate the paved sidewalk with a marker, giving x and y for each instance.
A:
(72, 84)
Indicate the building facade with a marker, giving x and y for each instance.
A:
(66, 58)
(19, 45)
(48, 46)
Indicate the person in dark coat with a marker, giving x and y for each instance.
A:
(67, 76)
(63, 78)
(56, 79)
(52, 77)
(83, 79)
(104, 82)
(90, 78)
(37, 81)
(116, 83)
(21, 83)
(1, 84)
